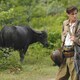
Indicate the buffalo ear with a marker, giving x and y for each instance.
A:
(44, 32)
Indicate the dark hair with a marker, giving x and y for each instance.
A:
(71, 9)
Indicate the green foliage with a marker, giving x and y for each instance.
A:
(55, 39)
(9, 61)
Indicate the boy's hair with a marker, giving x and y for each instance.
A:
(71, 9)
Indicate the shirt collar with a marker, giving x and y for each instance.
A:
(68, 23)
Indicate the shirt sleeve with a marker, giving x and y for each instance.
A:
(77, 36)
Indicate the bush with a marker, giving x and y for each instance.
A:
(9, 61)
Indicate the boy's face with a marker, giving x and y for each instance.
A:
(73, 16)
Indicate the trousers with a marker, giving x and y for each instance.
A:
(67, 70)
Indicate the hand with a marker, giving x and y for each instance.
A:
(72, 38)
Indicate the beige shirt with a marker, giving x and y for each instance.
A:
(67, 39)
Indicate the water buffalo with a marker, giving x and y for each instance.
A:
(19, 38)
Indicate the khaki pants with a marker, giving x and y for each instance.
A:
(67, 70)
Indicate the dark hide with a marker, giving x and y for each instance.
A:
(19, 38)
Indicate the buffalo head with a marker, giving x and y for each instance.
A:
(43, 38)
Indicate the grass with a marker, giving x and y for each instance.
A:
(39, 71)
